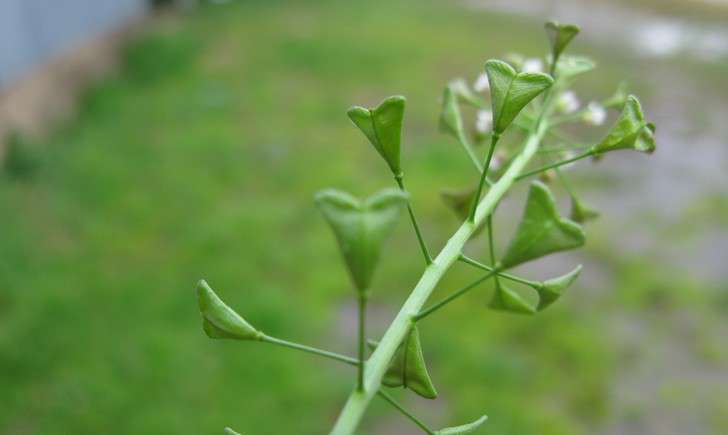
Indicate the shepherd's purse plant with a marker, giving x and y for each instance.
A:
(530, 107)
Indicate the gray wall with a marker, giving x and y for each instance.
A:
(33, 31)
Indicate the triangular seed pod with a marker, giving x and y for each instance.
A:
(505, 299)
(221, 321)
(550, 290)
(408, 369)
(361, 227)
(511, 91)
(541, 230)
(580, 212)
(560, 35)
(382, 125)
(630, 131)
(460, 201)
(464, 429)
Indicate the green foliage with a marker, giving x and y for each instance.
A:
(22, 157)
(382, 125)
(246, 129)
(510, 91)
(361, 227)
(541, 230)
(219, 320)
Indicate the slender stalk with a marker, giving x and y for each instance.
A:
(309, 349)
(406, 413)
(583, 155)
(505, 275)
(565, 182)
(484, 174)
(377, 364)
(434, 307)
(362, 341)
(420, 239)
(471, 152)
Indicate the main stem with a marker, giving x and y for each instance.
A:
(362, 341)
(377, 364)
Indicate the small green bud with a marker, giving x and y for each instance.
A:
(560, 35)
(464, 429)
(361, 227)
(550, 290)
(580, 212)
(505, 299)
(229, 431)
(383, 127)
(461, 89)
(511, 91)
(221, 321)
(407, 368)
(541, 230)
(451, 120)
(630, 131)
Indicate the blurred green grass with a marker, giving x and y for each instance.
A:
(200, 159)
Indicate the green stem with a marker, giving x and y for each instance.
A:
(565, 183)
(377, 364)
(484, 175)
(362, 342)
(561, 149)
(309, 349)
(473, 156)
(420, 239)
(436, 306)
(505, 275)
(406, 413)
(583, 155)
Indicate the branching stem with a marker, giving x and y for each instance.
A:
(436, 306)
(377, 364)
(583, 155)
(505, 275)
(406, 413)
(302, 347)
(423, 246)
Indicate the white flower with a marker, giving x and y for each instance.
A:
(568, 102)
(481, 83)
(595, 114)
(566, 156)
(484, 121)
(532, 65)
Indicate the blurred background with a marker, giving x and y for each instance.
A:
(147, 146)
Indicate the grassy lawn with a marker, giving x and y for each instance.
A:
(201, 160)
